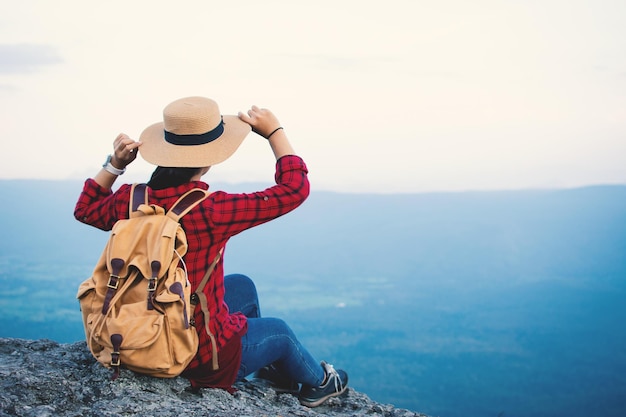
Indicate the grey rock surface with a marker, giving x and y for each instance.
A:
(46, 378)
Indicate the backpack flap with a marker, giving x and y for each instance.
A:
(150, 223)
(127, 246)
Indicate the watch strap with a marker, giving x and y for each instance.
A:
(110, 168)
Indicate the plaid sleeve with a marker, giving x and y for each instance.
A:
(100, 207)
(238, 212)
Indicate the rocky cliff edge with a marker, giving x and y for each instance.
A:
(46, 378)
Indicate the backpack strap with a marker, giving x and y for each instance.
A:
(182, 206)
(200, 297)
(138, 196)
(186, 202)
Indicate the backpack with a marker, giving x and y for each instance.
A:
(136, 306)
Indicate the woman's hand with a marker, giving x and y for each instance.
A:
(263, 121)
(124, 151)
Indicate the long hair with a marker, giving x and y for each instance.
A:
(165, 177)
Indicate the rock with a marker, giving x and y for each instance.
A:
(46, 378)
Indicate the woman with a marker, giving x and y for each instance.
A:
(192, 137)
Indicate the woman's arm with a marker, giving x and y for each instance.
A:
(97, 205)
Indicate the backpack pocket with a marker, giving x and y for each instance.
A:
(173, 301)
(85, 294)
(138, 326)
(144, 343)
(88, 302)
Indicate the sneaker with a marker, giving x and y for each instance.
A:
(277, 381)
(335, 383)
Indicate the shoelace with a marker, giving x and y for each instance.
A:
(332, 373)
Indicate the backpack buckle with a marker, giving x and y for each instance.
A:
(115, 359)
(152, 284)
(114, 282)
(194, 299)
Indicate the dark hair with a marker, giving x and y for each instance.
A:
(165, 177)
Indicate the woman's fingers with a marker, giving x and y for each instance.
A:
(124, 148)
(262, 121)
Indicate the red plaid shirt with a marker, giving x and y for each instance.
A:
(208, 227)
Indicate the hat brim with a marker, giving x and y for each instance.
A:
(157, 151)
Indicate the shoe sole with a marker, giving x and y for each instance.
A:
(320, 401)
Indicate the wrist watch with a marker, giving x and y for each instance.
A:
(110, 168)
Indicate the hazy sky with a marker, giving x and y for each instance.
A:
(380, 96)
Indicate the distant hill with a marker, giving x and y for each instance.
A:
(389, 233)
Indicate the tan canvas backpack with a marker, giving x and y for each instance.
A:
(136, 306)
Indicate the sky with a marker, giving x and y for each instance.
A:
(385, 96)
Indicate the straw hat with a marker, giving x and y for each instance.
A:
(193, 134)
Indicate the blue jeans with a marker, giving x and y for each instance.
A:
(268, 340)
